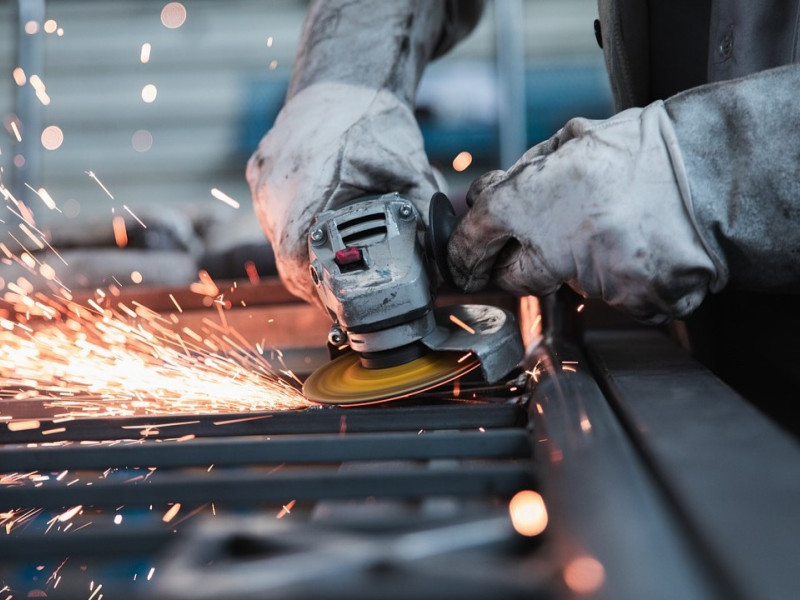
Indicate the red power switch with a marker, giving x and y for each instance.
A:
(348, 256)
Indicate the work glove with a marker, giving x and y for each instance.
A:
(603, 206)
(331, 143)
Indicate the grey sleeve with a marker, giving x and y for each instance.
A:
(740, 141)
(378, 44)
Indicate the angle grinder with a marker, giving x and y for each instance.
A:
(377, 268)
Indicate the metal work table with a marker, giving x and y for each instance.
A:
(659, 482)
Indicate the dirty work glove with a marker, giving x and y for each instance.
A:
(332, 142)
(603, 206)
(348, 128)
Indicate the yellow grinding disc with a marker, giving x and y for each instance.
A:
(345, 381)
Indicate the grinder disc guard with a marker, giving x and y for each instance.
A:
(344, 381)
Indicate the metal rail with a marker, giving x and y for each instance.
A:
(248, 488)
(312, 420)
(294, 449)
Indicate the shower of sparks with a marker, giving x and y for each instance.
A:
(223, 197)
(106, 357)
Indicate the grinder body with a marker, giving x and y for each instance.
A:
(369, 265)
(374, 264)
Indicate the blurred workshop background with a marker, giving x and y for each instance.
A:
(138, 109)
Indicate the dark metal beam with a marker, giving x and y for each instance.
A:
(732, 473)
(604, 501)
(106, 542)
(312, 420)
(248, 488)
(513, 443)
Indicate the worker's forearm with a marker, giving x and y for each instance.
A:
(740, 144)
(377, 44)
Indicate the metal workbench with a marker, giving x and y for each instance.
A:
(659, 482)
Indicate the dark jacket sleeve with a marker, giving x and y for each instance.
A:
(378, 44)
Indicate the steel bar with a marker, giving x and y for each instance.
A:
(605, 501)
(106, 542)
(312, 420)
(732, 473)
(293, 449)
(246, 488)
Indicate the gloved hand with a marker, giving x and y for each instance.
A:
(332, 142)
(603, 206)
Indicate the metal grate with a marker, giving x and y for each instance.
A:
(407, 460)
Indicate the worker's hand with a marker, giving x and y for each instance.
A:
(332, 142)
(603, 206)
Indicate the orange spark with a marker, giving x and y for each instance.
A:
(130, 212)
(462, 161)
(149, 93)
(120, 232)
(461, 324)
(528, 513)
(100, 183)
(175, 302)
(19, 76)
(170, 514)
(33, 238)
(54, 430)
(144, 56)
(68, 514)
(23, 425)
(173, 15)
(286, 509)
(223, 197)
(252, 272)
(584, 575)
(52, 137)
(232, 421)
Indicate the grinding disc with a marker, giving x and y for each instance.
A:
(345, 381)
